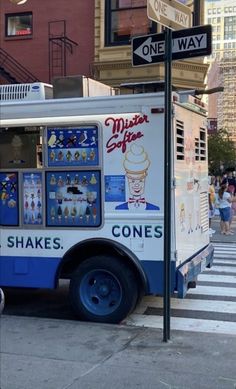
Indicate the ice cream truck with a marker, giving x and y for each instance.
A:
(82, 198)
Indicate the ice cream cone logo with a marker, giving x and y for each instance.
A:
(136, 165)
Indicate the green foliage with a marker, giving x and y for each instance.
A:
(221, 151)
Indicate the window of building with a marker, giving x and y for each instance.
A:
(124, 19)
(19, 24)
(229, 31)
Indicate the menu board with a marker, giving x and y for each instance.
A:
(73, 198)
(72, 146)
(9, 206)
(32, 198)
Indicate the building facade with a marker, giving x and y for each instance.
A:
(45, 39)
(221, 15)
(65, 38)
(116, 22)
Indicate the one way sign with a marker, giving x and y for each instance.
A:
(186, 43)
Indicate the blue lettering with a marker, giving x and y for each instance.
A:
(10, 241)
(56, 243)
(47, 243)
(19, 242)
(38, 243)
(148, 231)
(116, 234)
(158, 231)
(29, 243)
(126, 232)
(137, 231)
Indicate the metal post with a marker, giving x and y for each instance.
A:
(167, 185)
(196, 13)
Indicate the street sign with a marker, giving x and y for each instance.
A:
(187, 43)
(169, 13)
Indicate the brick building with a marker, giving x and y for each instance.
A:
(47, 38)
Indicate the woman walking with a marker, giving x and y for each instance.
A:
(225, 200)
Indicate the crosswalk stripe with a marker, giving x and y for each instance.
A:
(183, 324)
(221, 269)
(217, 278)
(205, 306)
(214, 290)
(188, 304)
(225, 256)
(225, 261)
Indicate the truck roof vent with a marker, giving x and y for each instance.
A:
(26, 92)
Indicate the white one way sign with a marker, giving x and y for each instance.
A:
(187, 43)
(169, 13)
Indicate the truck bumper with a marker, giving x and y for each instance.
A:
(187, 273)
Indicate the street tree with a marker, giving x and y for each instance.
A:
(221, 152)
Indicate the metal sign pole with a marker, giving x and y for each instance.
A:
(167, 185)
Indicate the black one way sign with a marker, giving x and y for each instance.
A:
(186, 43)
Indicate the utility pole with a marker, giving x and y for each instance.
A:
(196, 12)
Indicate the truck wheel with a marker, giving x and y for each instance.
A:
(103, 289)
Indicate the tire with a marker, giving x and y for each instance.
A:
(103, 289)
(2, 301)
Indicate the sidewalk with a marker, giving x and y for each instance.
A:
(61, 354)
(217, 237)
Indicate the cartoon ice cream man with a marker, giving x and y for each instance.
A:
(136, 164)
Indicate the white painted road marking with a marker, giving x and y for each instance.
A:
(226, 255)
(183, 324)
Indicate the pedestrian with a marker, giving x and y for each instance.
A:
(225, 200)
(232, 183)
(217, 183)
(211, 202)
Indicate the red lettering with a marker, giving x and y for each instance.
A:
(122, 144)
(120, 125)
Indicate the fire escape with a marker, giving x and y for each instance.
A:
(12, 71)
(59, 47)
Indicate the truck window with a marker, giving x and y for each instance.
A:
(21, 148)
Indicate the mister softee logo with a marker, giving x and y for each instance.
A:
(121, 131)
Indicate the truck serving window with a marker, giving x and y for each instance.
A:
(20, 148)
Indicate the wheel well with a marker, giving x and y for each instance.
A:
(89, 248)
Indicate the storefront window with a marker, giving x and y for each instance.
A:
(19, 24)
(125, 19)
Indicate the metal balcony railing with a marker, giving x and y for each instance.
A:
(13, 71)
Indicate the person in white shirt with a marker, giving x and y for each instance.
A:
(225, 200)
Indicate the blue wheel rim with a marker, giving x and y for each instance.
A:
(100, 292)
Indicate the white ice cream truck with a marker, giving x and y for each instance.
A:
(82, 198)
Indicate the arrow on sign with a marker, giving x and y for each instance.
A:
(191, 42)
(149, 49)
